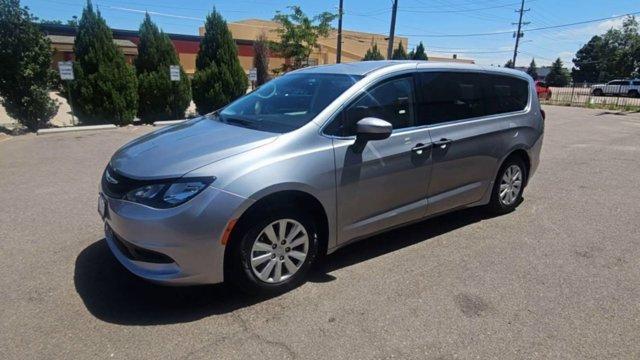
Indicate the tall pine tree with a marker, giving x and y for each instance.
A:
(399, 53)
(219, 78)
(25, 73)
(533, 69)
(373, 53)
(261, 59)
(419, 53)
(159, 97)
(558, 75)
(105, 88)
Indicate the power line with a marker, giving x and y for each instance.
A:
(532, 29)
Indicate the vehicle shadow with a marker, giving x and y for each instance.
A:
(114, 295)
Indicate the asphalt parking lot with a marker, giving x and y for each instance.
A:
(559, 278)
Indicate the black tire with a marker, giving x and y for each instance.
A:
(496, 205)
(597, 92)
(634, 93)
(239, 271)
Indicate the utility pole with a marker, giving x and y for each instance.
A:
(519, 33)
(339, 47)
(392, 30)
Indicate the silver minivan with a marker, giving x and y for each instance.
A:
(256, 192)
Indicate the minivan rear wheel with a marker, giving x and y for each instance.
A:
(273, 253)
(508, 186)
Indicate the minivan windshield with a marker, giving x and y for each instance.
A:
(286, 103)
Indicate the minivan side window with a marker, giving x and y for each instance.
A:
(391, 100)
(448, 96)
(505, 94)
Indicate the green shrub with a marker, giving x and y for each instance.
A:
(159, 97)
(25, 73)
(219, 78)
(105, 87)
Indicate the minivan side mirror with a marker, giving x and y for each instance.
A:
(369, 129)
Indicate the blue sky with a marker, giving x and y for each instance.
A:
(419, 19)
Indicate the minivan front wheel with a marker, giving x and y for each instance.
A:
(508, 187)
(274, 253)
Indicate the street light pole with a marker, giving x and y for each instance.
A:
(339, 47)
(392, 30)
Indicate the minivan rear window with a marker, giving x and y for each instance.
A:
(449, 96)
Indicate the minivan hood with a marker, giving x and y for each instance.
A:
(178, 149)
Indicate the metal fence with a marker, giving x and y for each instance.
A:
(613, 97)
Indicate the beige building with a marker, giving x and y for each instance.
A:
(354, 43)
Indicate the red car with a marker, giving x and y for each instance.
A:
(543, 91)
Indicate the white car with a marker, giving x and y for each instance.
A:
(618, 87)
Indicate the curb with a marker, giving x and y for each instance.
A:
(75, 128)
(167, 122)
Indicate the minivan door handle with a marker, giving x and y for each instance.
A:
(442, 143)
(420, 147)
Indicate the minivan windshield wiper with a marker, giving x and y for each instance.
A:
(239, 121)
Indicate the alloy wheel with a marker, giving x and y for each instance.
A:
(510, 185)
(279, 250)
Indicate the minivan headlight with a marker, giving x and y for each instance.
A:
(163, 195)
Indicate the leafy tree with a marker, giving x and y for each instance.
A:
(159, 97)
(72, 22)
(509, 64)
(373, 53)
(299, 35)
(419, 53)
(261, 59)
(615, 54)
(399, 53)
(25, 73)
(105, 88)
(558, 75)
(219, 78)
(533, 69)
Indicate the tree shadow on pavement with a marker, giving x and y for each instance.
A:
(114, 295)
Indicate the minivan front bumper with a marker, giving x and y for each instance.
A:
(176, 246)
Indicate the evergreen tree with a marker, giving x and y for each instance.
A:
(419, 53)
(399, 53)
(159, 97)
(373, 53)
(261, 59)
(25, 73)
(533, 69)
(558, 75)
(105, 86)
(219, 78)
(509, 64)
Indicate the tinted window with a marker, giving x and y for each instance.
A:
(391, 101)
(636, 83)
(505, 94)
(288, 102)
(448, 96)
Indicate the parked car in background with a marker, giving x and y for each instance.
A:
(543, 91)
(313, 160)
(618, 87)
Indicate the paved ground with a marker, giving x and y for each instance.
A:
(559, 278)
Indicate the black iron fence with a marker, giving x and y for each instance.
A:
(613, 97)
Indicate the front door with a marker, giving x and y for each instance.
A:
(385, 184)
